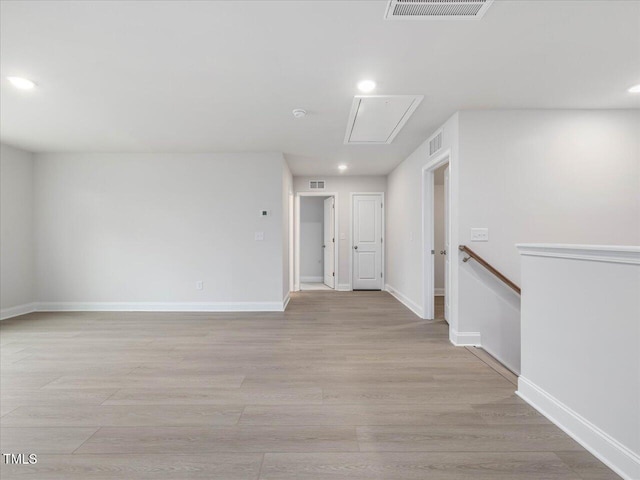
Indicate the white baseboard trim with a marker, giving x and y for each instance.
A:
(438, 292)
(18, 310)
(411, 305)
(608, 450)
(343, 287)
(500, 359)
(464, 339)
(285, 302)
(311, 279)
(160, 307)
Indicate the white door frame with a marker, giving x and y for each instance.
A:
(384, 240)
(291, 233)
(297, 234)
(428, 239)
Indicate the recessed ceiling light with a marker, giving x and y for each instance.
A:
(366, 86)
(342, 167)
(299, 113)
(21, 83)
(634, 89)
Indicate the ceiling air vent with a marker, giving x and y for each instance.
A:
(435, 143)
(436, 9)
(316, 184)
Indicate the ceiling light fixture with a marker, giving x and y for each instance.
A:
(299, 113)
(366, 86)
(21, 83)
(342, 168)
(634, 89)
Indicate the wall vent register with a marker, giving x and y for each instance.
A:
(316, 185)
(436, 9)
(435, 144)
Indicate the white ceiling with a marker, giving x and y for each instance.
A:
(186, 76)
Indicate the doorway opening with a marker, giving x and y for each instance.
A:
(440, 241)
(316, 252)
(437, 236)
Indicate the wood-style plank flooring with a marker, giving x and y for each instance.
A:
(340, 386)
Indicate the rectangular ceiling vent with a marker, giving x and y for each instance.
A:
(435, 144)
(316, 184)
(376, 119)
(436, 9)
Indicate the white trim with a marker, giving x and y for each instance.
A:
(512, 368)
(285, 302)
(438, 292)
(428, 236)
(292, 201)
(594, 253)
(609, 451)
(18, 310)
(336, 233)
(161, 306)
(411, 305)
(311, 279)
(464, 339)
(344, 287)
(384, 237)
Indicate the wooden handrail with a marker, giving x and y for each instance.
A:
(485, 264)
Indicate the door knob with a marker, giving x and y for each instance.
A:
(324, 246)
(355, 247)
(443, 252)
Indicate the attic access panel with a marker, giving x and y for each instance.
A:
(377, 119)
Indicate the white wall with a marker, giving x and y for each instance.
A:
(311, 239)
(558, 176)
(287, 229)
(16, 239)
(405, 243)
(438, 213)
(344, 185)
(539, 176)
(143, 228)
(562, 176)
(581, 346)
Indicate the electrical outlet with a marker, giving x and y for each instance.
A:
(479, 234)
(199, 285)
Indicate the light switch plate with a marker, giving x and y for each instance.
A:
(259, 236)
(479, 234)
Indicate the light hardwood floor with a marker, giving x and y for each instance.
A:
(340, 386)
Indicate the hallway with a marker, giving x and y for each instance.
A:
(340, 386)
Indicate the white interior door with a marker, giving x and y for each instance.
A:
(367, 242)
(446, 243)
(329, 242)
